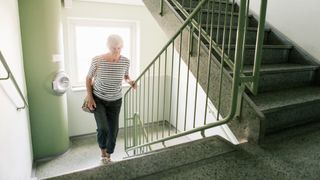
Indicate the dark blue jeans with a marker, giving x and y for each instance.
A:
(107, 119)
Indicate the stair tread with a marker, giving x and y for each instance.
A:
(222, 2)
(282, 67)
(215, 11)
(271, 101)
(266, 46)
(158, 161)
(236, 27)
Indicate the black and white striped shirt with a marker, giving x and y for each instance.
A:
(109, 76)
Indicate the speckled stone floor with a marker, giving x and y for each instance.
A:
(290, 158)
(295, 155)
(84, 153)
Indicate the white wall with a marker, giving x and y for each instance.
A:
(15, 139)
(186, 121)
(152, 39)
(296, 19)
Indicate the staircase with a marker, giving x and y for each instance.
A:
(284, 105)
(288, 92)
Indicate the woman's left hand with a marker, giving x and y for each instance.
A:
(133, 84)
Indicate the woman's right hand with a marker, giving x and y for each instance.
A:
(91, 103)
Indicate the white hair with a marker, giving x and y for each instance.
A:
(114, 40)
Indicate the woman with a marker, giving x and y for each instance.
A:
(105, 94)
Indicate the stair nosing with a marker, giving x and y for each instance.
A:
(223, 2)
(288, 104)
(267, 46)
(236, 27)
(283, 69)
(217, 12)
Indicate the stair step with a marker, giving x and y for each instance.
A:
(206, 17)
(190, 5)
(236, 27)
(283, 76)
(273, 101)
(252, 46)
(250, 36)
(271, 54)
(278, 68)
(151, 163)
(234, 165)
(290, 107)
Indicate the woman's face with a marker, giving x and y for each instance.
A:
(116, 50)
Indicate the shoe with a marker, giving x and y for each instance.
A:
(105, 160)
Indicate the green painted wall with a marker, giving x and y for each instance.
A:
(41, 38)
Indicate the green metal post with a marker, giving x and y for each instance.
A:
(197, 78)
(161, 7)
(259, 44)
(179, 67)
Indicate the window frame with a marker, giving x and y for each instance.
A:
(72, 23)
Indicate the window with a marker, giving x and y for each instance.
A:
(88, 39)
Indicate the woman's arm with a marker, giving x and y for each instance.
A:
(130, 82)
(91, 103)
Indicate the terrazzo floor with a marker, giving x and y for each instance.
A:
(84, 153)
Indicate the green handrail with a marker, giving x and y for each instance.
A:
(185, 24)
(217, 49)
(259, 43)
(10, 75)
(171, 41)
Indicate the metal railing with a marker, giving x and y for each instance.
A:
(159, 95)
(10, 76)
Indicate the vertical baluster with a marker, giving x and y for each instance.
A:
(161, 7)
(245, 34)
(222, 63)
(182, 4)
(145, 103)
(164, 91)
(125, 123)
(171, 87)
(198, 63)
(148, 127)
(131, 117)
(213, 17)
(179, 67)
(153, 129)
(209, 71)
(208, 15)
(139, 112)
(224, 29)
(259, 44)
(187, 86)
(135, 132)
(140, 133)
(134, 110)
(158, 106)
(230, 30)
(218, 25)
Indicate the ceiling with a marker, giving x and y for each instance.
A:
(127, 2)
